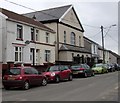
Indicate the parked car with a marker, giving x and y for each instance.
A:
(23, 77)
(99, 68)
(109, 67)
(82, 70)
(58, 73)
(116, 66)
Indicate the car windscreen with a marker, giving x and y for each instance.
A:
(99, 65)
(53, 68)
(13, 71)
(76, 67)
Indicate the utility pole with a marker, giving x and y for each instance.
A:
(103, 44)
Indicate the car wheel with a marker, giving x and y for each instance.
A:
(57, 79)
(93, 74)
(70, 77)
(85, 75)
(44, 82)
(102, 71)
(26, 85)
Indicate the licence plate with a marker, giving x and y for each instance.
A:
(11, 78)
(75, 72)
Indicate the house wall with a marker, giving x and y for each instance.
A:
(68, 30)
(112, 58)
(0, 39)
(70, 18)
(41, 43)
(68, 55)
(87, 45)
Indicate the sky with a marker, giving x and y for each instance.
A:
(92, 14)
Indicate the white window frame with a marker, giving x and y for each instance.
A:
(19, 31)
(37, 35)
(47, 55)
(19, 53)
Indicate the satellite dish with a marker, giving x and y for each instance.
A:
(27, 42)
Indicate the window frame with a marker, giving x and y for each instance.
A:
(19, 32)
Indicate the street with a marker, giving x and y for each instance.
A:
(102, 87)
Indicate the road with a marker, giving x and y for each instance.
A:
(102, 87)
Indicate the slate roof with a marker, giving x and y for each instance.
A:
(49, 14)
(66, 47)
(52, 14)
(20, 18)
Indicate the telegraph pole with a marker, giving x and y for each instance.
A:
(103, 44)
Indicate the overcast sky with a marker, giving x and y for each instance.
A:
(92, 15)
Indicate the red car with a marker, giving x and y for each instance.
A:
(57, 73)
(23, 77)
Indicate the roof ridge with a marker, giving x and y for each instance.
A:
(48, 9)
(41, 25)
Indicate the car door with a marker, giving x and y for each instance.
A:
(64, 72)
(29, 75)
(37, 78)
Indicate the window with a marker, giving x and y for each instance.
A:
(27, 71)
(19, 32)
(18, 54)
(37, 55)
(32, 34)
(47, 55)
(37, 35)
(64, 36)
(34, 71)
(31, 54)
(79, 40)
(72, 38)
(47, 37)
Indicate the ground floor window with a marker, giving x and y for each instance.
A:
(18, 54)
(47, 55)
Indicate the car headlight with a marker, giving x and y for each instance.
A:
(52, 74)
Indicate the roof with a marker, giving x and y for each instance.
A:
(20, 18)
(52, 14)
(66, 47)
(90, 40)
(49, 14)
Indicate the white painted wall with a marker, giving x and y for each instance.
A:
(10, 38)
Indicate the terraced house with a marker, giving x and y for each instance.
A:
(69, 32)
(25, 40)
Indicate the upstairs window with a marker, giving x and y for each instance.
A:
(19, 32)
(79, 40)
(47, 37)
(72, 38)
(32, 34)
(65, 37)
(37, 35)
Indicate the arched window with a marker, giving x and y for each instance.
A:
(72, 38)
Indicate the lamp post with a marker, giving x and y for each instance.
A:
(103, 41)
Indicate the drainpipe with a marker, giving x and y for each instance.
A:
(57, 41)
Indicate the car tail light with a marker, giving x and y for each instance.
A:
(82, 69)
(19, 78)
(5, 78)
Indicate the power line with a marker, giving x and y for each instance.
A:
(94, 35)
(47, 13)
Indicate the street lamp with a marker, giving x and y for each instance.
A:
(103, 40)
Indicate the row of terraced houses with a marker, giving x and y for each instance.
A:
(49, 36)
